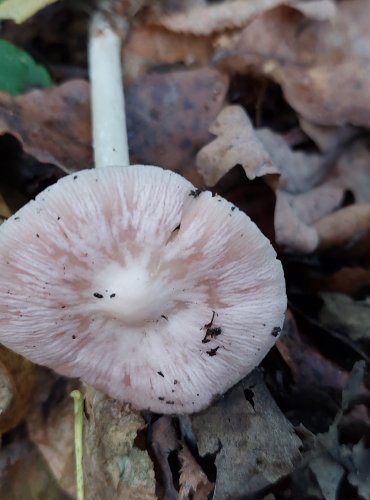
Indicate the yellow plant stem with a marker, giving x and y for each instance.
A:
(78, 425)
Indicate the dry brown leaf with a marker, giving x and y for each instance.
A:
(311, 59)
(327, 138)
(168, 116)
(208, 19)
(149, 46)
(53, 125)
(164, 442)
(50, 427)
(18, 379)
(345, 227)
(320, 10)
(114, 466)
(352, 171)
(299, 171)
(24, 474)
(236, 144)
(194, 483)
(290, 231)
(348, 280)
(316, 203)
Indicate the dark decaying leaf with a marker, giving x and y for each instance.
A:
(329, 460)
(254, 445)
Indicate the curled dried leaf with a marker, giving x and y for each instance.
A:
(236, 144)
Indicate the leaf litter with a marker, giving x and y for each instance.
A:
(265, 103)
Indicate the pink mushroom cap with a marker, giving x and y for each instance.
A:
(141, 285)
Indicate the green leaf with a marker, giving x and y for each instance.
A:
(18, 70)
(20, 10)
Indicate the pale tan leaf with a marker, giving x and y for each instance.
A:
(236, 144)
(345, 226)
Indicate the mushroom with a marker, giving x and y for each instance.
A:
(143, 286)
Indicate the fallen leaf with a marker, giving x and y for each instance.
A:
(328, 138)
(310, 370)
(253, 443)
(329, 459)
(165, 442)
(346, 315)
(20, 10)
(148, 47)
(168, 116)
(24, 474)
(320, 10)
(50, 426)
(360, 477)
(291, 232)
(348, 280)
(207, 19)
(299, 171)
(329, 481)
(310, 61)
(114, 466)
(351, 172)
(194, 483)
(236, 144)
(345, 227)
(53, 125)
(19, 70)
(18, 383)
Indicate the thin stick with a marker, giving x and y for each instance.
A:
(107, 98)
(78, 425)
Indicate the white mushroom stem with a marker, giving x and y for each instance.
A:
(107, 97)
